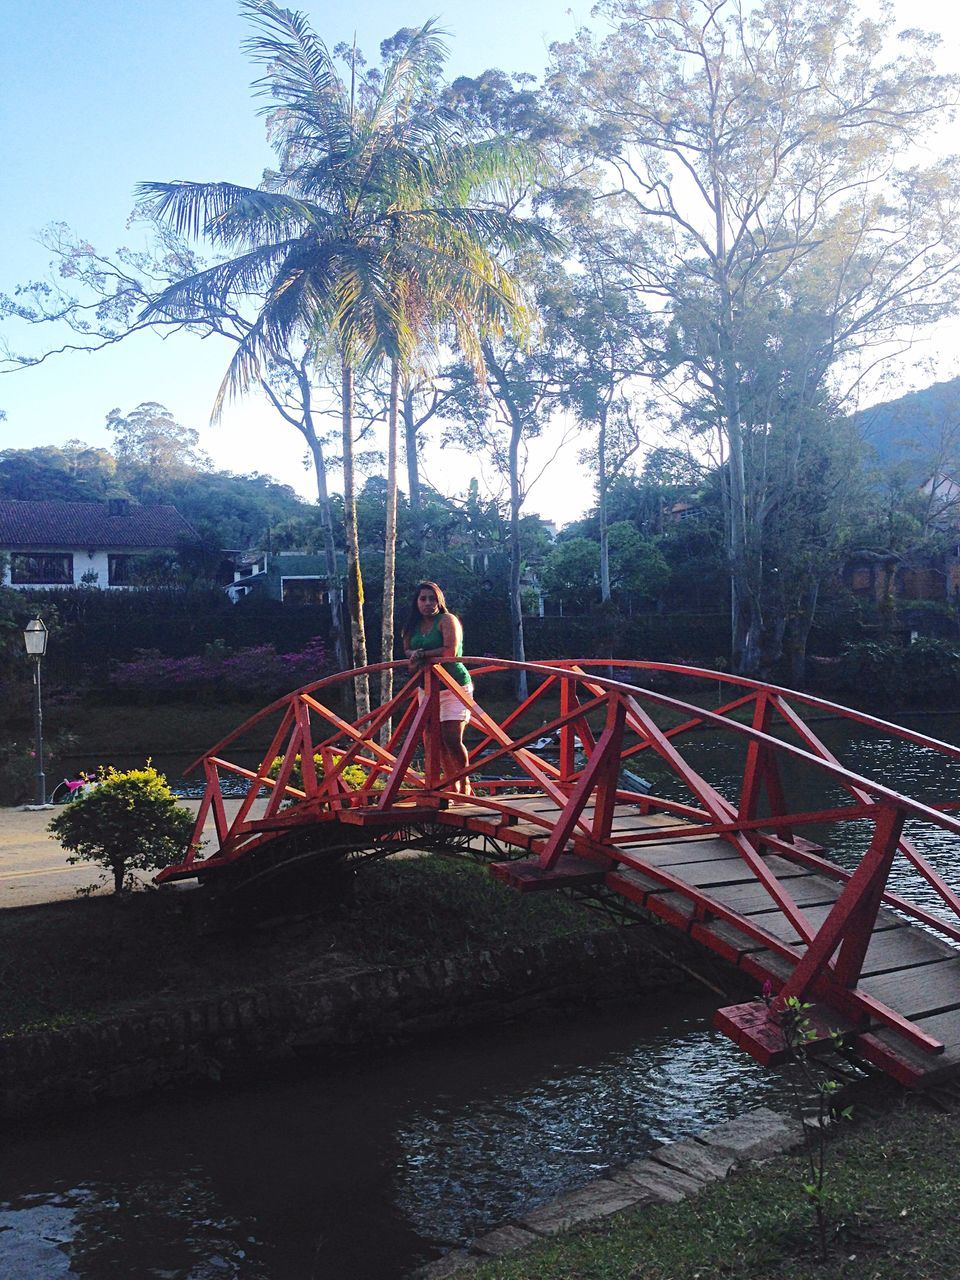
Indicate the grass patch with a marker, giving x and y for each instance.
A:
(91, 957)
(425, 907)
(102, 732)
(894, 1189)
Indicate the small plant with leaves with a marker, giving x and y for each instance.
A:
(353, 776)
(793, 1018)
(129, 821)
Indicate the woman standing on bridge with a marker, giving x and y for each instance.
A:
(431, 633)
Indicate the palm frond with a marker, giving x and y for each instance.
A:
(210, 291)
(299, 295)
(229, 214)
(408, 74)
(377, 232)
(306, 97)
(367, 316)
(479, 226)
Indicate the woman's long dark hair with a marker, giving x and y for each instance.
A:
(414, 616)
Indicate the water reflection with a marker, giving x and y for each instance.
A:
(369, 1169)
(468, 1164)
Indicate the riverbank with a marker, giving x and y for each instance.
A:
(893, 1180)
(111, 997)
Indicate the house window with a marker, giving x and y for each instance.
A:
(121, 570)
(304, 590)
(52, 570)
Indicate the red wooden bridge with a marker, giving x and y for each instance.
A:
(744, 870)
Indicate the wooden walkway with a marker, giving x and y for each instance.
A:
(738, 880)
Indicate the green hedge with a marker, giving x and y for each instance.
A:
(95, 629)
(693, 638)
(886, 671)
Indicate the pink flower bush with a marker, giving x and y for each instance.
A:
(258, 670)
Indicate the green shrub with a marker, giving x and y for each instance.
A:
(887, 670)
(127, 821)
(18, 772)
(18, 765)
(354, 775)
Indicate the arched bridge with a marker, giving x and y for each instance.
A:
(745, 865)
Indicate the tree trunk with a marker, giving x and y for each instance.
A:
(800, 634)
(744, 558)
(516, 501)
(410, 450)
(516, 612)
(300, 371)
(389, 548)
(330, 556)
(602, 507)
(354, 576)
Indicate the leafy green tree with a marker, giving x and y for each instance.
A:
(128, 821)
(571, 572)
(149, 438)
(98, 300)
(604, 332)
(637, 566)
(72, 472)
(754, 162)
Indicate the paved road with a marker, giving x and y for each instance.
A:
(33, 866)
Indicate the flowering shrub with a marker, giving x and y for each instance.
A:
(129, 821)
(18, 765)
(220, 673)
(354, 775)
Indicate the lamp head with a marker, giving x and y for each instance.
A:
(35, 638)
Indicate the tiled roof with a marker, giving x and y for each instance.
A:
(63, 525)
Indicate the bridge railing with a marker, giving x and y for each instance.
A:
(571, 741)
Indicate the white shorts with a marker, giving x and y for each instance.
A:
(451, 708)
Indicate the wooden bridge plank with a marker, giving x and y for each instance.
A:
(904, 948)
(524, 834)
(528, 876)
(749, 898)
(647, 893)
(538, 804)
(944, 1027)
(778, 925)
(918, 992)
(634, 884)
(729, 942)
(888, 1050)
(398, 814)
(675, 853)
(628, 820)
(707, 875)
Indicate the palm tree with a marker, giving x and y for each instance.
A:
(371, 191)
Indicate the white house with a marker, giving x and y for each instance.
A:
(71, 544)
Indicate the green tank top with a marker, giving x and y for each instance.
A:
(433, 639)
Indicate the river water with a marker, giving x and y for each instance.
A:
(364, 1169)
(369, 1168)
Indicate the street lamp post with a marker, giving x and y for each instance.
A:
(35, 639)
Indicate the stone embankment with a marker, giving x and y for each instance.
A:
(670, 1174)
(213, 1038)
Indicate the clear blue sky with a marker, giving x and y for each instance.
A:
(97, 95)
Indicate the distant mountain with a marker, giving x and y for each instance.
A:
(921, 428)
